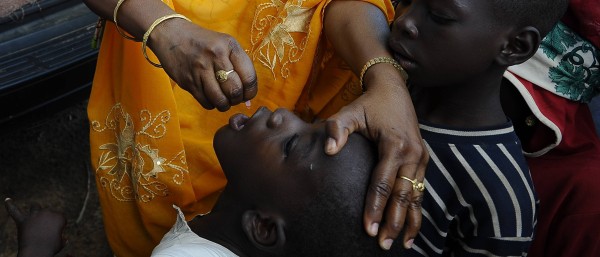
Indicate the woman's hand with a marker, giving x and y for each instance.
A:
(192, 55)
(385, 115)
(39, 230)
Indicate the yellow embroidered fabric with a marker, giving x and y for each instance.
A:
(151, 142)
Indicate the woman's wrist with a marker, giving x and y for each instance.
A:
(381, 60)
(158, 22)
(134, 16)
(383, 77)
(166, 30)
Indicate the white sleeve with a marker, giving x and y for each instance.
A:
(181, 241)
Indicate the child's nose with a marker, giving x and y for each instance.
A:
(409, 29)
(275, 120)
(406, 24)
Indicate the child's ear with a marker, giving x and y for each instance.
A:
(519, 47)
(264, 231)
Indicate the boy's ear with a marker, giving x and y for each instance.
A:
(264, 231)
(519, 47)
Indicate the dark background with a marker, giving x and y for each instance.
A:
(46, 68)
(45, 159)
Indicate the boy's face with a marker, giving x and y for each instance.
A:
(445, 42)
(273, 157)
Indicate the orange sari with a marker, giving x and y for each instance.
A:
(151, 142)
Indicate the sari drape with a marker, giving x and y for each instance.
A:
(151, 141)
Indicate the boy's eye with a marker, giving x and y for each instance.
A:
(441, 19)
(290, 144)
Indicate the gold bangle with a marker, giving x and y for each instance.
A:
(154, 24)
(119, 3)
(377, 60)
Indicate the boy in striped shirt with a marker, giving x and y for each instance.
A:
(479, 200)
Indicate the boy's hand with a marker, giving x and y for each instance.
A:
(39, 230)
(385, 115)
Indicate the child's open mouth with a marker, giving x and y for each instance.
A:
(237, 121)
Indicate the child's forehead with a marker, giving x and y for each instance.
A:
(462, 8)
(480, 6)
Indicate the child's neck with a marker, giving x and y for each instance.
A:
(222, 226)
(472, 105)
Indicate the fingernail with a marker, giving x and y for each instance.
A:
(374, 229)
(331, 145)
(387, 244)
(409, 244)
(248, 104)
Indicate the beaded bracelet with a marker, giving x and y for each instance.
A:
(119, 3)
(154, 24)
(377, 60)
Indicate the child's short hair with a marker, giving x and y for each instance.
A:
(542, 14)
(332, 225)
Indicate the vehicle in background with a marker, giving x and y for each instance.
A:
(46, 57)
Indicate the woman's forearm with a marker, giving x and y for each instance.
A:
(358, 31)
(384, 113)
(134, 16)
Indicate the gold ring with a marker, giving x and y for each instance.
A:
(222, 75)
(417, 186)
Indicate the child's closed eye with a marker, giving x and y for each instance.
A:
(289, 145)
(440, 18)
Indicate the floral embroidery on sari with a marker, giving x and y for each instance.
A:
(280, 32)
(129, 168)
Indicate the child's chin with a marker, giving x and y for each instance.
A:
(221, 137)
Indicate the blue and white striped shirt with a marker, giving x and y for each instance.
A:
(479, 198)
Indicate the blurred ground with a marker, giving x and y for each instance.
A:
(10, 6)
(45, 159)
